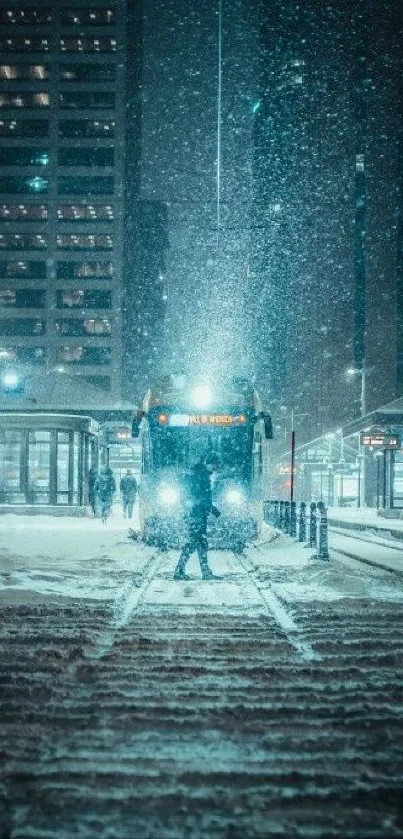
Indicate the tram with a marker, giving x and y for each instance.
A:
(182, 422)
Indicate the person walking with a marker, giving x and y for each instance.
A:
(128, 490)
(198, 500)
(92, 496)
(105, 488)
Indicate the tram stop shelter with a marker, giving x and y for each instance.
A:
(359, 465)
(326, 469)
(378, 438)
(49, 439)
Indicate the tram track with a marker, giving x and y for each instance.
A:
(275, 608)
(382, 542)
(128, 599)
(366, 560)
(199, 721)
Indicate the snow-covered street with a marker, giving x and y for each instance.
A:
(267, 702)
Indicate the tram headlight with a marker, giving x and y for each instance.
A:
(201, 396)
(169, 495)
(235, 497)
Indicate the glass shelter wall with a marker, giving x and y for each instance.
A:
(45, 460)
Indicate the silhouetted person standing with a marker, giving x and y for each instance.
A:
(198, 501)
(105, 487)
(128, 489)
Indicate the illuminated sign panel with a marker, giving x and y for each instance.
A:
(197, 420)
(380, 441)
(213, 419)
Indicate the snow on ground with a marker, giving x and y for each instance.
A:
(365, 516)
(82, 558)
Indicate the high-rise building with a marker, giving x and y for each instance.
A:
(63, 197)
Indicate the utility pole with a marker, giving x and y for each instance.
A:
(292, 465)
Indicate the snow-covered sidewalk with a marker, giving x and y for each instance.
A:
(82, 559)
(366, 518)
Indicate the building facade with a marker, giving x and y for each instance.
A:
(62, 153)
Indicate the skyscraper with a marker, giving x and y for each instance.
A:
(63, 199)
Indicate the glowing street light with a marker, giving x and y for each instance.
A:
(351, 372)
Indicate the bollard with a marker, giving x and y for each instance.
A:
(276, 514)
(312, 525)
(302, 522)
(287, 517)
(272, 515)
(293, 519)
(281, 515)
(322, 548)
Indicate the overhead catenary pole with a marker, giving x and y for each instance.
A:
(292, 485)
(292, 482)
(219, 104)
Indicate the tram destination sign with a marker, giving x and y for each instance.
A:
(380, 440)
(180, 420)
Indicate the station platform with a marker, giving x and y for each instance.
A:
(367, 519)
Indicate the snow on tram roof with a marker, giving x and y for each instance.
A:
(178, 390)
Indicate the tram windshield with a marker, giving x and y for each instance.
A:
(181, 448)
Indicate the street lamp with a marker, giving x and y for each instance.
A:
(351, 372)
(294, 416)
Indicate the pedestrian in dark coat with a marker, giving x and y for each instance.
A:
(105, 488)
(128, 489)
(198, 504)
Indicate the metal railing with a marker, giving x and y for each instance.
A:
(297, 522)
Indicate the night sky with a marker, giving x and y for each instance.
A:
(305, 91)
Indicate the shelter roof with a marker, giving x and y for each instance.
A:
(55, 391)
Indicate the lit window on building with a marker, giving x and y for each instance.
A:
(23, 268)
(88, 326)
(31, 355)
(87, 99)
(87, 45)
(24, 45)
(97, 326)
(72, 354)
(70, 299)
(85, 212)
(359, 163)
(87, 128)
(87, 17)
(24, 99)
(17, 241)
(24, 71)
(23, 298)
(23, 156)
(94, 241)
(22, 326)
(27, 355)
(27, 17)
(86, 72)
(23, 212)
(84, 270)
(24, 128)
(37, 184)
